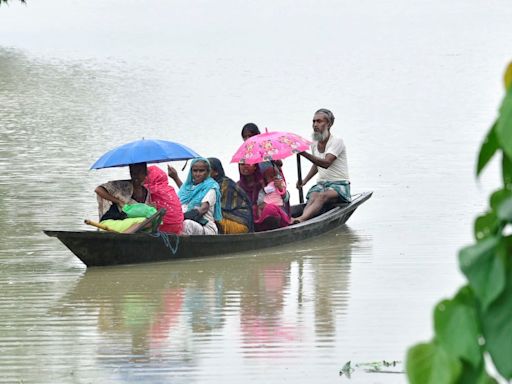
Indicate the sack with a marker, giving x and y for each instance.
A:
(139, 210)
(194, 214)
(113, 213)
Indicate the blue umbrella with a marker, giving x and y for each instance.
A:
(144, 151)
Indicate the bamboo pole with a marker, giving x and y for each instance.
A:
(99, 225)
(299, 176)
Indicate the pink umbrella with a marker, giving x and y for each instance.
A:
(269, 146)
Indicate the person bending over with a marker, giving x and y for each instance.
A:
(113, 195)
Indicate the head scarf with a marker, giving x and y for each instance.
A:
(163, 195)
(217, 165)
(156, 177)
(192, 194)
(263, 166)
(235, 203)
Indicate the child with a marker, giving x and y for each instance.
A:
(274, 189)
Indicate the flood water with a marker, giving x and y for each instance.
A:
(414, 86)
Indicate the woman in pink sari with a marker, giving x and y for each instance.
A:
(164, 196)
(271, 216)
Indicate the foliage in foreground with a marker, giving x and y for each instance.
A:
(477, 321)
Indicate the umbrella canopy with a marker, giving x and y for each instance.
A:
(269, 146)
(144, 151)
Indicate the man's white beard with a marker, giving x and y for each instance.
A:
(319, 136)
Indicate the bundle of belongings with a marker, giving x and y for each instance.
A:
(131, 218)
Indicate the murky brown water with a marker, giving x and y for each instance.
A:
(182, 319)
(414, 88)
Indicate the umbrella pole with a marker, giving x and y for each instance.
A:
(299, 176)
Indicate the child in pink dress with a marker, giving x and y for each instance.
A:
(271, 210)
(274, 189)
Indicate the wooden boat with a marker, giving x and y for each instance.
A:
(95, 248)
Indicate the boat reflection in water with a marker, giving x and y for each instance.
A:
(179, 318)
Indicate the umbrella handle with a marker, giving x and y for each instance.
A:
(299, 176)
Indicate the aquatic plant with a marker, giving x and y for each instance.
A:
(381, 366)
(474, 328)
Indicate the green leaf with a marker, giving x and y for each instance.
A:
(486, 225)
(506, 172)
(497, 329)
(507, 77)
(457, 327)
(428, 363)
(504, 124)
(499, 197)
(484, 378)
(487, 149)
(506, 242)
(472, 375)
(484, 270)
(504, 210)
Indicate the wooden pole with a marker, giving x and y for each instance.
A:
(98, 225)
(299, 176)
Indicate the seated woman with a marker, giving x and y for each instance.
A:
(200, 199)
(271, 216)
(164, 196)
(113, 195)
(236, 206)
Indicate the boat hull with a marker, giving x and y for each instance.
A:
(95, 248)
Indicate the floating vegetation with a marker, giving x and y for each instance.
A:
(347, 369)
(382, 366)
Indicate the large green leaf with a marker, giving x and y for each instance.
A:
(428, 363)
(507, 77)
(457, 327)
(506, 172)
(472, 375)
(486, 225)
(484, 269)
(484, 378)
(487, 149)
(506, 242)
(497, 329)
(499, 197)
(504, 210)
(504, 124)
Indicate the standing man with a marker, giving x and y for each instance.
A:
(329, 158)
